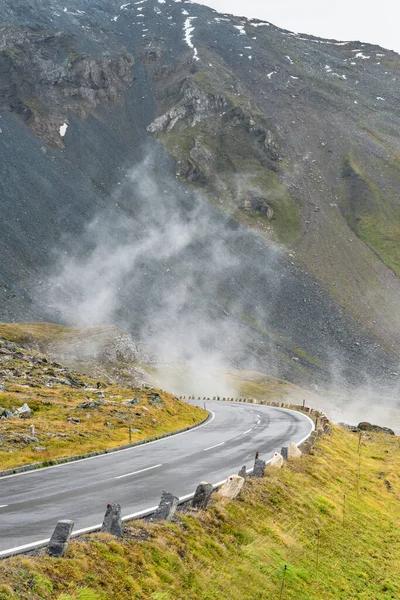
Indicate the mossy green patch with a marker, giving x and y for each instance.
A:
(371, 213)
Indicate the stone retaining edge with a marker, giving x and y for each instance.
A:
(69, 459)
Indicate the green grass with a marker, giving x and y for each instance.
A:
(237, 550)
(26, 380)
(370, 211)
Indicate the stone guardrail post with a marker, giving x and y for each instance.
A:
(232, 487)
(202, 495)
(112, 520)
(58, 543)
(167, 507)
(259, 468)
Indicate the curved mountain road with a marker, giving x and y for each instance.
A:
(31, 503)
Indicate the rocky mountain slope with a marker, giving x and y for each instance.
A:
(115, 116)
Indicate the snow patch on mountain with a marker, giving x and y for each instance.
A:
(188, 31)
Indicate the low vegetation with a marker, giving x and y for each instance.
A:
(330, 518)
(69, 413)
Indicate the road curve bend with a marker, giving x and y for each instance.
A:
(31, 503)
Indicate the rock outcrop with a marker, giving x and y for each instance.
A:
(45, 77)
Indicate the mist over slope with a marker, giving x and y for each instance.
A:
(225, 190)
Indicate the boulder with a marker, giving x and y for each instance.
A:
(24, 411)
(6, 414)
(24, 439)
(73, 420)
(232, 487)
(58, 544)
(155, 399)
(277, 461)
(202, 495)
(112, 520)
(131, 402)
(90, 404)
(365, 426)
(167, 507)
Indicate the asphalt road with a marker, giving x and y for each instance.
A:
(31, 503)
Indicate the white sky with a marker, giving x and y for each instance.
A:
(374, 21)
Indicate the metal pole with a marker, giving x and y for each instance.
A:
(344, 507)
(130, 434)
(283, 582)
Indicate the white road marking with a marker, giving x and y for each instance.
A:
(248, 431)
(216, 446)
(174, 435)
(142, 513)
(137, 472)
(3, 505)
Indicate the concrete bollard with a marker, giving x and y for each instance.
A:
(232, 487)
(259, 468)
(243, 472)
(31, 430)
(167, 507)
(202, 495)
(294, 452)
(58, 543)
(277, 461)
(285, 452)
(112, 520)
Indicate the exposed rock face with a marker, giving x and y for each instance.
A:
(254, 201)
(44, 77)
(194, 106)
(364, 426)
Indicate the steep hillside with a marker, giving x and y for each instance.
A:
(332, 523)
(115, 117)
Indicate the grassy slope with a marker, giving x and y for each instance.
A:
(26, 380)
(237, 550)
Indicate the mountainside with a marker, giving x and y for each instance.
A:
(224, 189)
